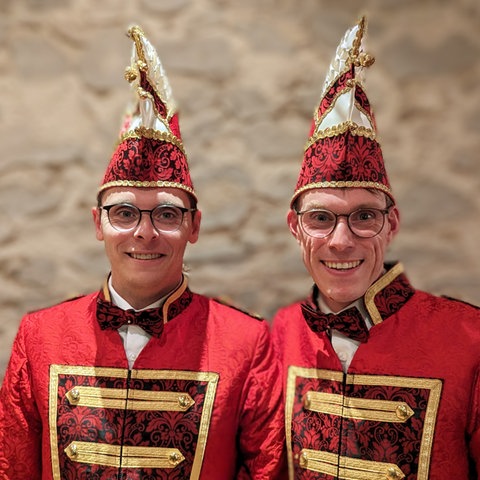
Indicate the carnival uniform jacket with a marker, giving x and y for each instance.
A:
(408, 405)
(202, 401)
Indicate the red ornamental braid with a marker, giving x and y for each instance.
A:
(175, 126)
(343, 158)
(362, 100)
(148, 160)
(159, 105)
(339, 85)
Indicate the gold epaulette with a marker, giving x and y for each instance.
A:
(224, 300)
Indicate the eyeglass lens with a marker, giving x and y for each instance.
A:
(166, 218)
(365, 222)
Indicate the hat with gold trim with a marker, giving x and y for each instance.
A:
(150, 151)
(342, 150)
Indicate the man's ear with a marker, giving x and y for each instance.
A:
(393, 219)
(196, 220)
(292, 220)
(97, 220)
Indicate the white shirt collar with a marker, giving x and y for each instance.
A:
(357, 303)
(124, 305)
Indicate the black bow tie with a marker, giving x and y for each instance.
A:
(112, 317)
(349, 322)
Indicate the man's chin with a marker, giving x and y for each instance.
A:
(338, 299)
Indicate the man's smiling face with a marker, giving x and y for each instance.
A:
(145, 264)
(343, 265)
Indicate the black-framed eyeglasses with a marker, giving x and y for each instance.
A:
(364, 222)
(165, 218)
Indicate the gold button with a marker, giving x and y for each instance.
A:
(403, 412)
(73, 450)
(185, 401)
(73, 396)
(307, 401)
(174, 458)
(303, 460)
(392, 474)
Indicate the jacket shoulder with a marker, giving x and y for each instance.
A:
(290, 309)
(461, 302)
(67, 303)
(227, 303)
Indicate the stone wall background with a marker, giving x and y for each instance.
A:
(247, 76)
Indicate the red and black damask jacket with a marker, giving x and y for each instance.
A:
(202, 400)
(408, 406)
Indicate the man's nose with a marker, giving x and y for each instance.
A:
(341, 236)
(145, 227)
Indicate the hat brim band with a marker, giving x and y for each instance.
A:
(340, 129)
(144, 132)
(343, 184)
(146, 184)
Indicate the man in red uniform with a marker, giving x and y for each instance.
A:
(381, 380)
(143, 379)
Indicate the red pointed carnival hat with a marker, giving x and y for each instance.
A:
(150, 151)
(342, 151)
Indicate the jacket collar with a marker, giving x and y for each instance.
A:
(174, 304)
(386, 296)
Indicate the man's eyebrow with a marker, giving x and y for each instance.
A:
(117, 201)
(316, 206)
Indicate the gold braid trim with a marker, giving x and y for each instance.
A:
(145, 132)
(378, 286)
(135, 32)
(350, 85)
(339, 129)
(146, 184)
(342, 184)
(360, 59)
